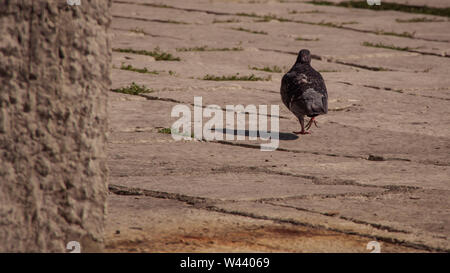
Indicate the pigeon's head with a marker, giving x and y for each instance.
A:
(304, 57)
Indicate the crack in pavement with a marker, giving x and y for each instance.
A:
(147, 34)
(154, 5)
(314, 179)
(337, 61)
(191, 200)
(322, 196)
(329, 60)
(209, 205)
(402, 91)
(148, 97)
(318, 226)
(148, 20)
(407, 37)
(428, 53)
(368, 158)
(356, 221)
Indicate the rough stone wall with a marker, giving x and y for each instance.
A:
(54, 79)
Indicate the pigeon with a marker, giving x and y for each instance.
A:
(303, 91)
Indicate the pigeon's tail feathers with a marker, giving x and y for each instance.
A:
(311, 103)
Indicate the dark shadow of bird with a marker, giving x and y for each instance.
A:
(281, 136)
(303, 91)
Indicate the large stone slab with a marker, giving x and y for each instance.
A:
(54, 81)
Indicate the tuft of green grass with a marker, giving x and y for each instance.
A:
(248, 14)
(233, 20)
(390, 33)
(273, 69)
(329, 24)
(156, 53)
(139, 70)
(380, 69)
(336, 25)
(426, 70)
(133, 89)
(381, 45)
(236, 77)
(206, 48)
(306, 11)
(250, 31)
(165, 131)
(387, 6)
(306, 39)
(168, 131)
(269, 17)
(158, 5)
(175, 22)
(138, 30)
(349, 23)
(264, 18)
(419, 20)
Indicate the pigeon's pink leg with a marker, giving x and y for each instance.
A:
(311, 121)
(302, 132)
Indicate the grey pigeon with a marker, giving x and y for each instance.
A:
(303, 91)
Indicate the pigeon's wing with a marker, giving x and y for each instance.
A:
(304, 92)
(318, 85)
(293, 85)
(310, 97)
(288, 88)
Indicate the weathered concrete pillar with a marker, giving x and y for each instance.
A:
(54, 79)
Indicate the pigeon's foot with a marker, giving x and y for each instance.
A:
(310, 123)
(302, 132)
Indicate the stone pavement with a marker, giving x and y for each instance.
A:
(378, 168)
